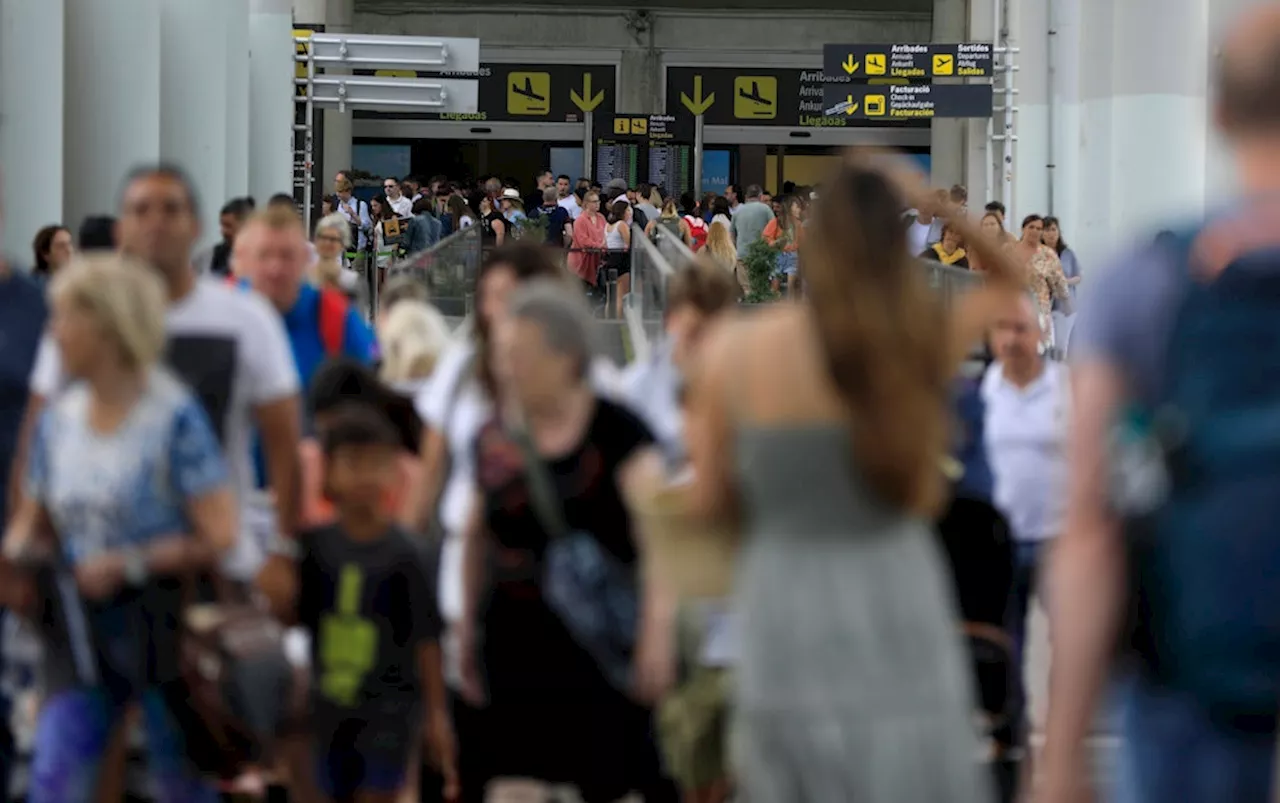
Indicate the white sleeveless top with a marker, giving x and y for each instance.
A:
(613, 237)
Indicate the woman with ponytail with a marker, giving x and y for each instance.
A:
(830, 415)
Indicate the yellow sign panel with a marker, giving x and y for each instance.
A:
(944, 64)
(638, 126)
(873, 105)
(755, 97)
(877, 64)
(300, 68)
(529, 94)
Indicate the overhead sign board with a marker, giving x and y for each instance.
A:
(401, 52)
(754, 96)
(904, 60)
(392, 93)
(531, 93)
(908, 102)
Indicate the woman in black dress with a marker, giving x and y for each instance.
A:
(554, 716)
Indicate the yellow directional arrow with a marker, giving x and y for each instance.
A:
(850, 66)
(697, 104)
(851, 107)
(586, 101)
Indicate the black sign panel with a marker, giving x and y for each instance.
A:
(912, 61)
(908, 102)
(529, 93)
(659, 128)
(657, 148)
(756, 96)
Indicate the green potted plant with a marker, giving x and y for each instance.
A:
(759, 262)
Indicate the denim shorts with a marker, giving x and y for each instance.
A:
(788, 264)
(1173, 751)
(72, 735)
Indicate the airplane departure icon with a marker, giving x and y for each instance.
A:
(754, 95)
(527, 90)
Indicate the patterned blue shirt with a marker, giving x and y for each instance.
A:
(108, 491)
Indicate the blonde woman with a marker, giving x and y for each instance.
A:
(671, 221)
(413, 335)
(719, 251)
(126, 476)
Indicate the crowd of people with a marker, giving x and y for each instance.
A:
(591, 224)
(346, 557)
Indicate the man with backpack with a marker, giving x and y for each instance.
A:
(272, 257)
(1175, 468)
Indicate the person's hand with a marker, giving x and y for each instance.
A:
(442, 753)
(100, 577)
(472, 682)
(1061, 781)
(655, 663)
(17, 588)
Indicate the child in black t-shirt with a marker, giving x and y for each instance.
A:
(358, 587)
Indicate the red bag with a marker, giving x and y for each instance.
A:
(697, 230)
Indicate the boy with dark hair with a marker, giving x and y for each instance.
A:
(359, 589)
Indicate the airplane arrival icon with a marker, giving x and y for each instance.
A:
(528, 92)
(755, 97)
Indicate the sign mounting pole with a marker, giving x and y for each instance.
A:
(697, 157)
(587, 102)
(1006, 139)
(588, 127)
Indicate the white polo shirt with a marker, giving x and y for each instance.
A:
(1025, 431)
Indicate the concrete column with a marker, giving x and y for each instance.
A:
(979, 159)
(1120, 111)
(337, 125)
(31, 120)
(194, 78)
(1029, 26)
(309, 12)
(238, 67)
(271, 93)
(947, 137)
(637, 82)
(112, 111)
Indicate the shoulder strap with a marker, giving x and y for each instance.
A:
(543, 496)
(333, 320)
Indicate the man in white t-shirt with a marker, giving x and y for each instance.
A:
(228, 345)
(573, 204)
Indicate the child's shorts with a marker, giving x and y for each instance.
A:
(370, 755)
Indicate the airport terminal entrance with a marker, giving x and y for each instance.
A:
(516, 161)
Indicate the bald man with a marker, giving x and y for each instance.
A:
(1200, 685)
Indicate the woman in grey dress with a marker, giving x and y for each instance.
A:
(827, 419)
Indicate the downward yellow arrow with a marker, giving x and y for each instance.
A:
(851, 107)
(697, 104)
(586, 101)
(850, 66)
